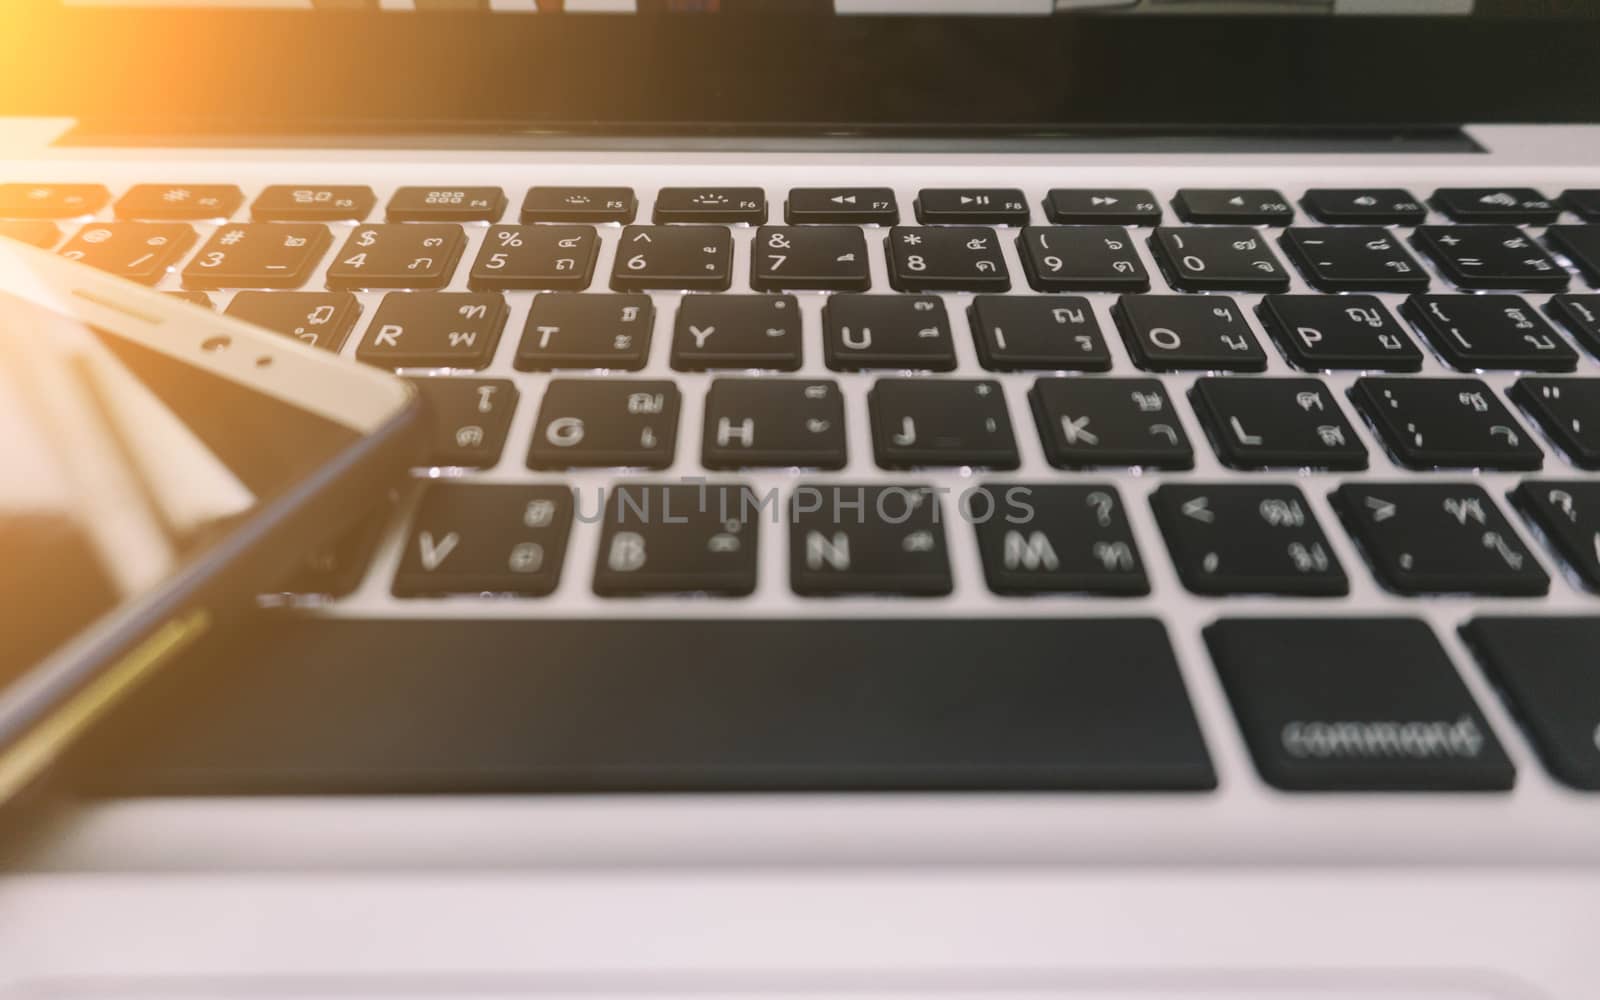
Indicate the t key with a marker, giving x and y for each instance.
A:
(1569, 411)
(605, 423)
(1089, 422)
(586, 331)
(946, 259)
(941, 422)
(258, 255)
(862, 332)
(434, 330)
(1056, 539)
(1276, 423)
(773, 423)
(137, 251)
(678, 538)
(848, 539)
(737, 331)
(1445, 423)
(1490, 332)
(1334, 333)
(476, 538)
(1054, 332)
(1490, 257)
(1081, 258)
(520, 257)
(1223, 259)
(1228, 539)
(699, 258)
(1187, 333)
(397, 256)
(828, 258)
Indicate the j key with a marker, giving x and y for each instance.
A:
(1583, 203)
(1089, 422)
(434, 330)
(1225, 259)
(1354, 259)
(1545, 668)
(1580, 314)
(1579, 244)
(1489, 332)
(1338, 333)
(1445, 423)
(1364, 206)
(1247, 540)
(258, 255)
(605, 423)
(35, 232)
(719, 205)
(321, 319)
(1056, 539)
(919, 422)
(773, 423)
(475, 538)
(579, 204)
(1185, 333)
(973, 206)
(737, 331)
(828, 258)
(1567, 515)
(543, 257)
(1569, 411)
(1081, 258)
(679, 538)
(946, 259)
(336, 203)
(1438, 538)
(1490, 257)
(586, 331)
(1514, 205)
(1051, 332)
(851, 206)
(887, 331)
(428, 204)
(1278, 423)
(1355, 705)
(846, 539)
(1102, 206)
(179, 202)
(51, 201)
(470, 418)
(699, 258)
(397, 256)
(138, 251)
(1246, 207)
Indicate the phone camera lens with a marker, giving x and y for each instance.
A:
(265, 361)
(216, 344)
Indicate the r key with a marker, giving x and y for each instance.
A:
(434, 330)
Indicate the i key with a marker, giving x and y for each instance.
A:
(1489, 333)
(1354, 259)
(849, 206)
(698, 258)
(179, 202)
(470, 419)
(1109, 422)
(1052, 332)
(1223, 259)
(473, 538)
(1081, 259)
(543, 257)
(773, 423)
(1569, 411)
(587, 423)
(335, 203)
(434, 330)
(737, 331)
(579, 204)
(678, 538)
(1438, 538)
(601, 330)
(1230, 539)
(849, 539)
(981, 206)
(946, 259)
(1243, 207)
(1338, 333)
(258, 255)
(1547, 670)
(1567, 514)
(1445, 423)
(862, 332)
(321, 319)
(427, 204)
(137, 251)
(1037, 539)
(397, 256)
(1187, 333)
(1580, 314)
(1276, 423)
(1486, 258)
(821, 258)
(719, 205)
(51, 201)
(920, 422)
(1364, 206)
(1102, 206)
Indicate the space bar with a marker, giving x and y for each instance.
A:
(307, 706)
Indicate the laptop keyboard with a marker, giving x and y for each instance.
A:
(630, 389)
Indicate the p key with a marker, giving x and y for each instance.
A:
(1337, 333)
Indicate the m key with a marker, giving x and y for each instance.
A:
(1108, 422)
(1276, 423)
(1037, 539)
(1231, 539)
(773, 423)
(604, 423)
(946, 259)
(1445, 423)
(434, 330)
(476, 538)
(678, 538)
(697, 258)
(941, 422)
(849, 539)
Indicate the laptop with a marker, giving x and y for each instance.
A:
(963, 498)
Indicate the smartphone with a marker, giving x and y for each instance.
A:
(160, 465)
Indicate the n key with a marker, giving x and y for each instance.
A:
(475, 539)
(137, 251)
(941, 422)
(258, 255)
(601, 423)
(434, 330)
(678, 538)
(773, 423)
(848, 539)
(946, 259)
(397, 256)
(862, 332)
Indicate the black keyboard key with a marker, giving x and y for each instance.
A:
(1523, 206)
(542, 257)
(321, 319)
(1355, 705)
(470, 420)
(1109, 422)
(1567, 516)
(461, 204)
(697, 258)
(1338, 333)
(773, 423)
(862, 332)
(1038, 539)
(1579, 244)
(1445, 423)
(1354, 259)
(472, 538)
(325, 203)
(1568, 409)
(1081, 259)
(1187, 333)
(1545, 668)
(1102, 206)
(34, 232)
(179, 202)
(138, 251)
(846, 206)
(393, 255)
(587, 423)
(193, 298)
(1364, 206)
(972, 206)
(1276, 423)
(820, 258)
(946, 259)
(337, 569)
(678, 538)
(1242, 207)
(1438, 538)
(1223, 259)
(737, 331)
(724, 206)
(258, 255)
(919, 422)
(51, 201)
(1580, 314)
(1231, 539)
(1049, 332)
(434, 330)
(1489, 333)
(1486, 258)
(601, 330)
(1584, 203)
(848, 539)
(579, 204)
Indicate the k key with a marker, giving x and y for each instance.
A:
(1364, 207)
(1490, 332)
(397, 256)
(1568, 409)
(1223, 259)
(1567, 514)
(137, 251)
(946, 259)
(726, 206)
(321, 319)
(1056, 539)
(579, 204)
(427, 204)
(1231, 539)
(434, 330)
(697, 258)
(972, 206)
(849, 206)
(773, 423)
(473, 538)
(1052, 332)
(587, 423)
(918, 422)
(849, 539)
(335, 203)
(1102, 206)
(258, 255)
(179, 202)
(1338, 333)
(1081, 258)
(51, 201)
(470, 419)
(1187, 333)
(1109, 422)
(823, 258)
(1241, 207)
(1354, 259)
(862, 332)
(542, 257)
(1445, 423)
(737, 331)
(1480, 258)
(601, 330)
(678, 538)
(1276, 423)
